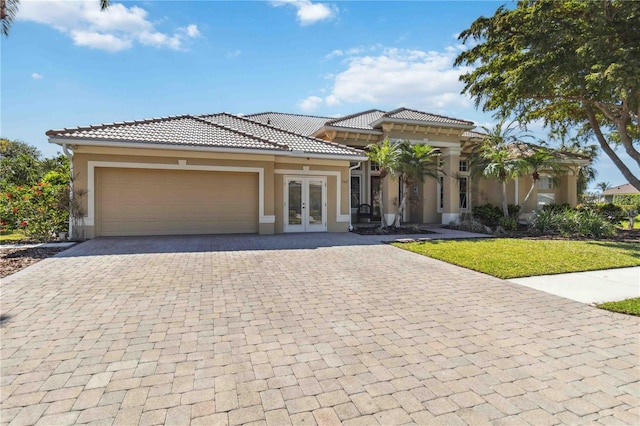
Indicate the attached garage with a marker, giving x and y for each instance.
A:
(133, 201)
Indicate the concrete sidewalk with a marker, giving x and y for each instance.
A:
(589, 287)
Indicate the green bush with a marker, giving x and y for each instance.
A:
(487, 214)
(583, 223)
(626, 199)
(558, 208)
(37, 210)
(508, 223)
(611, 212)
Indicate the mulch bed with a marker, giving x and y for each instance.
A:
(14, 259)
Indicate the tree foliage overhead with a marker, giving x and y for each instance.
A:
(9, 8)
(570, 63)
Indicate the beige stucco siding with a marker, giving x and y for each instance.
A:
(159, 202)
(89, 160)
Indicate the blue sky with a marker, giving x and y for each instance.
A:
(67, 64)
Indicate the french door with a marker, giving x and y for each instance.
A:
(305, 204)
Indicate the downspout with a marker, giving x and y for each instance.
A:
(350, 170)
(69, 155)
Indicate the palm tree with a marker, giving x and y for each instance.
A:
(386, 155)
(492, 158)
(9, 8)
(536, 159)
(415, 163)
(603, 186)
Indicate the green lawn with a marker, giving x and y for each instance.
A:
(514, 258)
(628, 306)
(625, 224)
(14, 236)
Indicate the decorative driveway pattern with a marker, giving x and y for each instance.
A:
(301, 329)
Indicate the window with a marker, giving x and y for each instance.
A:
(464, 192)
(356, 193)
(440, 194)
(464, 166)
(545, 183)
(545, 199)
(375, 167)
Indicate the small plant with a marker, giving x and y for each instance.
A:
(611, 212)
(487, 214)
(509, 223)
(579, 222)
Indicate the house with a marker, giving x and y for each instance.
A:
(269, 173)
(626, 189)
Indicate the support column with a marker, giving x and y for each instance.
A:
(390, 198)
(572, 188)
(451, 190)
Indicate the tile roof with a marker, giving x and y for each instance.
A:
(219, 130)
(411, 114)
(295, 142)
(627, 188)
(305, 125)
(182, 130)
(360, 120)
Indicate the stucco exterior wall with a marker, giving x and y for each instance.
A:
(273, 168)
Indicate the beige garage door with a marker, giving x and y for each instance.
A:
(168, 202)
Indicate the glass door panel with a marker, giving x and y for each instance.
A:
(306, 204)
(295, 202)
(315, 203)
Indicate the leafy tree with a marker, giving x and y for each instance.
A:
(9, 8)
(492, 158)
(572, 64)
(19, 163)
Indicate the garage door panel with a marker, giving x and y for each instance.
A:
(166, 202)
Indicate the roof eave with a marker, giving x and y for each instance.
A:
(379, 122)
(109, 143)
(347, 129)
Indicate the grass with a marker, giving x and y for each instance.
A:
(514, 258)
(625, 224)
(628, 306)
(13, 236)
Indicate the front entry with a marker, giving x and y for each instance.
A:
(305, 204)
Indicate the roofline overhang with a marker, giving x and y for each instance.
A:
(347, 129)
(150, 145)
(379, 122)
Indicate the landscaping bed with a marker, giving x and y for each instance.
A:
(390, 230)
(13, 260)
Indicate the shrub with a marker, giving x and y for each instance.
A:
(471, 225)
(487, 214)
(35, 210)
(556, 207)
(508, 223)
(583, 223)
(626, 199)
(611, 212)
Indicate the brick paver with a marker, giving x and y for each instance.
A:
(313, 329)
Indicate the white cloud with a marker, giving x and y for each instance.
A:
(309, 12)
(117, 28)
(37, 76)
(234, 53)
(397, 77)
(310, 104)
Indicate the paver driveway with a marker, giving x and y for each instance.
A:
(301, 329)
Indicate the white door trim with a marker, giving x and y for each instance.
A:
(338, 175)
(305, 226)
(89, 220)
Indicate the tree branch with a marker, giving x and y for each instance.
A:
(633, 180)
